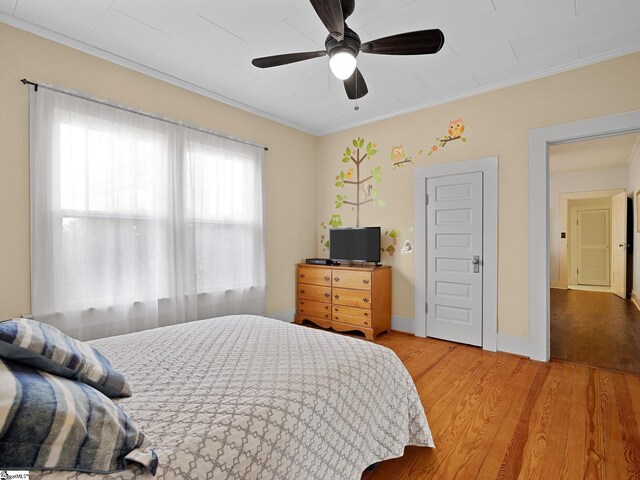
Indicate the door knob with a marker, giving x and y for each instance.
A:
(476, 263)
(621, 245)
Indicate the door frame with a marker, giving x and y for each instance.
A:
(539, 242)
(488, 166)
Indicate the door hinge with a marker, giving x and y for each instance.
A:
(426, 308)
(578, 271)
(426, 199)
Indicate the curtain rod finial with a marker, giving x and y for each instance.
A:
(27, 82)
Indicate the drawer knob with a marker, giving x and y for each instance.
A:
(302, 275)
(337, 318)
(365, 300)
(302, 310)
(366, 323)
(301, 303)
(326, 279)
(336, 296)
(337, 279)
(365, 281)
(366, 314)
(301, 291)
(327, 295)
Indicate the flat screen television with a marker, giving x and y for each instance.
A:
(355, 244)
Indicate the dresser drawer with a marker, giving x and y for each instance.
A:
(315, 293)
(349, 320)
(314, 276)
(349, 279)
(316, 313)
(354, 312)
(326, 307)
(351, 298)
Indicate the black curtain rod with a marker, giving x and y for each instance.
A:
(266, 149)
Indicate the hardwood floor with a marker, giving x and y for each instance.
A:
(593, 328)
(499, 416)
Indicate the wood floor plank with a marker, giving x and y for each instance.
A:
(614, 455)
(424, 358)
(628, 422)
(512, 462)
(595, 433)
(500, 443)
(574, 462)
(558, 435)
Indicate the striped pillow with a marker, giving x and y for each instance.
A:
(46, 348)
(49, 422)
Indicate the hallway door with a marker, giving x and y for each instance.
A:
(593, 247)
(619, 244)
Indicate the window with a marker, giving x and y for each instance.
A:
(136, 213)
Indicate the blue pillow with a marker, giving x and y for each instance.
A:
(53, 423)
(46, 348)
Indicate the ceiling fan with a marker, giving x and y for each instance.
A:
(343, 46)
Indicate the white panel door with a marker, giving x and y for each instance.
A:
(593, 247)
(454, 258)
(619, 244)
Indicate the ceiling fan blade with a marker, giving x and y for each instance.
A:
(355, 86)
(276, 60)
(330, 12)
(410, 43)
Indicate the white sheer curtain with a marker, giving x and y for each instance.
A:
(137, 222)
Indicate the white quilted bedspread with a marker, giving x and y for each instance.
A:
(246, 397)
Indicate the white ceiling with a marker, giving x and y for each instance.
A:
(609, 152)
(207, 46)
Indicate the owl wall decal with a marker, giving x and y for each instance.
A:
(397, 153)
(456, 128)
(398, 157)
(336, 221)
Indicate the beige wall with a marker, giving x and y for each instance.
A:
(290, 162)
(497, 123)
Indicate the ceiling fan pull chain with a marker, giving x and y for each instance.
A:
(356, 108)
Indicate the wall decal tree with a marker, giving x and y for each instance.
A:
(364, 187)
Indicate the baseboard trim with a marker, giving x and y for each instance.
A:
(635, 299)
(283, 315)
(514, 344)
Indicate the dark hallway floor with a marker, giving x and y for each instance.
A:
(595, 328)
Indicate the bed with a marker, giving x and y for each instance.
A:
(247, 397)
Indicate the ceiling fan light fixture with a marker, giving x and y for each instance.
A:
(342, 63)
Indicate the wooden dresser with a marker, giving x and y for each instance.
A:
(344, 298)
